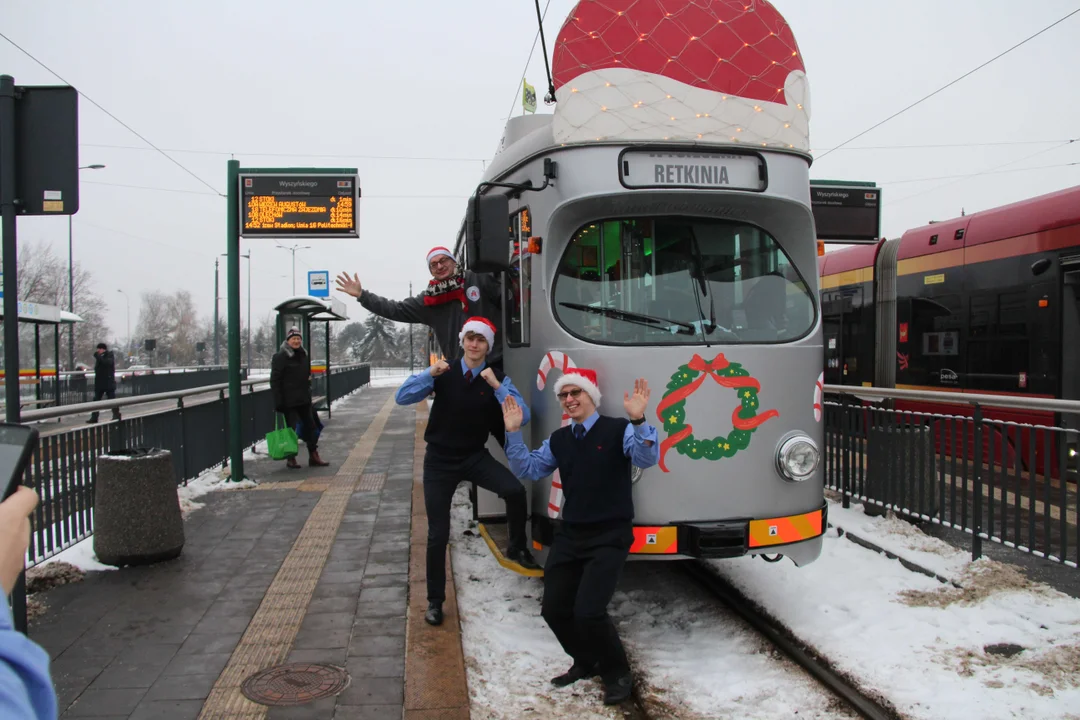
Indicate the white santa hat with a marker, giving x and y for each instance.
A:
(436, 252)
(582, 378)
(480, 326)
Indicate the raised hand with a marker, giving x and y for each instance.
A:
(438, 368)
(15, 535)
(349, 285)
(511, 415)
(635, 404)
(489, 375)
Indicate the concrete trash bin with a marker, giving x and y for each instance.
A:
(137, 518)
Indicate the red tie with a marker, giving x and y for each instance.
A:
(468, 376)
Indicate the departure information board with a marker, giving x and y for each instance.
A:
(299, 205)
(846, 213)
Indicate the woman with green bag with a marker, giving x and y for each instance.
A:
(290, 381)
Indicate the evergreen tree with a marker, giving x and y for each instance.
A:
(379, 346)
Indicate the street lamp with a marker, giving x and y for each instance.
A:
(248, 341)
(293, 250)
(128, 351)
(71, 284)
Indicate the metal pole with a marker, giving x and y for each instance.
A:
(56, 362)
(37, 360)
(411, 354)
(71, 301)
(11, 290)
(329, 395)
(217, 331)
(249, 315)
(232, 283)
(294, 271)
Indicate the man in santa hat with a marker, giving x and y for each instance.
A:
(593, 454)
(467, 406)
(451, 297)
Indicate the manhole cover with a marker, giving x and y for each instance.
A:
(295, 684)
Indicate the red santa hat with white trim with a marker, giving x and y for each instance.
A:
(480, 326)
(436, 252)
(582, 378)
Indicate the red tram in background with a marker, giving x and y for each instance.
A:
(987, 303)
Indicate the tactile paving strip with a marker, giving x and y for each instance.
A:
(371, 482)
(436, 687)
(270, 635)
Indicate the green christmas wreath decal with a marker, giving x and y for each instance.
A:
(672, 410)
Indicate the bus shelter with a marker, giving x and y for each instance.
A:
(301, 311)
(38, 314)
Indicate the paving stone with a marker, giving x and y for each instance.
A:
(201, 664)
(381, 609)
(384, 594)
(332, 590)
(96, 703)
(222, 625)
(337, 578)
(319, 639)
(383, 666)
(321, 708)
(327, 621)
(374, 581)
(210, 643)
(182, 687)
(322, 656)
(373, 691)
(167, 710)
(124, 672)
(387, 568)
(378, 626)
(331, 605)
(377, 646)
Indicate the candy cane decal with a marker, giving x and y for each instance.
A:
(819, 387)
(558, 361)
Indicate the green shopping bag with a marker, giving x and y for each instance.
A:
(282, 442)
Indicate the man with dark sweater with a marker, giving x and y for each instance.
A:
(466, 408)
(593, 455)
(451, 296)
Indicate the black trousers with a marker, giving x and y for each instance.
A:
(580, 576)
(441, 478)
(305, 423)
(98, 395)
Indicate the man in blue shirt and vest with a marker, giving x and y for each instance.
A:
(593, 454)
(467, 406)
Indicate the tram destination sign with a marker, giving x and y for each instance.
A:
(697, 170)
(849, 213)
(299, 205)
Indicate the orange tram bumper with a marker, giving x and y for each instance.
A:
(713, 539)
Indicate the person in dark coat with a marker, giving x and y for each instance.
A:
(290, 381)
(450, 299)
(104, 379)
(594, 455)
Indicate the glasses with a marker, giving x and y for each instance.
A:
(439, 262)
(568, 393)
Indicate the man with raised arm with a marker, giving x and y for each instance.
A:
(450, 298)
(593, 454)
(465, 410)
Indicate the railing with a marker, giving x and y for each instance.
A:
(78, 387)
(63, 469)
(995, 478)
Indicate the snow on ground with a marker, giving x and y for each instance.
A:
(918, 642)
(692, 659)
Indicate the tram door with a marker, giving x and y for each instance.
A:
(833, 329)
(1070, 349)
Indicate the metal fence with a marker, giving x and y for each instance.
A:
(63, 468)
(73, 387)
(994, 478)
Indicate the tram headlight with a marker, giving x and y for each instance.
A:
(797, 458)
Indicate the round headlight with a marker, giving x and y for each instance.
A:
(798, 458)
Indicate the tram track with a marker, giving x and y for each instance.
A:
(783, 640)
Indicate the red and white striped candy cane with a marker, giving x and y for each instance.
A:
(819, 388)
(558, 361)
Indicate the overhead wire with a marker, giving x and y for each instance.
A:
(98, 105)
(950, 84)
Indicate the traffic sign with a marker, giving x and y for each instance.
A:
(318, 283)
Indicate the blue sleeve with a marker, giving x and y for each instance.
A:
(507, 388)
(415, 388)
(634, 447)
(525, 465)
(26, 689)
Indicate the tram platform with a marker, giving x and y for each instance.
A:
(316, 575)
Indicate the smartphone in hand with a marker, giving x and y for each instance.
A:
(17, 444)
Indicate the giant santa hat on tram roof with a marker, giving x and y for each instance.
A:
(717, 71)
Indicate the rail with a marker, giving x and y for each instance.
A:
(63, 468)
(78, 387)
(970, 463)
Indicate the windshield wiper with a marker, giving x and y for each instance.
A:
(632, 317)
(703, 283)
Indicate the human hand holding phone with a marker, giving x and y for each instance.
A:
(15, 535)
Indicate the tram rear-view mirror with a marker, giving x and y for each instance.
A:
(487, 233)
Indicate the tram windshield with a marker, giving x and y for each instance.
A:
(680, 280)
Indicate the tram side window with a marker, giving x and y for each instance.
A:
(935, 341)
(1009, 349)
(519, 280)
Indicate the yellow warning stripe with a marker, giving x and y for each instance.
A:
(501, 559)
(270, 634)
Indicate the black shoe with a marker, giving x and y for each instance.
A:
(575, 673)
(434, 614)
(617, 691)
(523, 558)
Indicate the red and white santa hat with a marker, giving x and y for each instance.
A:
(436, 252)
(582, 378)
(480, 326)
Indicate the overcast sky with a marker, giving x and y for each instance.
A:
(415, 94)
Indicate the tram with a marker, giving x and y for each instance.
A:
(658, 226)
(986, 303)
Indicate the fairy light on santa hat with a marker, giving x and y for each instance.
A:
(480, 326)
(583, 378)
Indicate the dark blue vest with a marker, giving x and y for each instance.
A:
(463, 414)
(595, 473)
